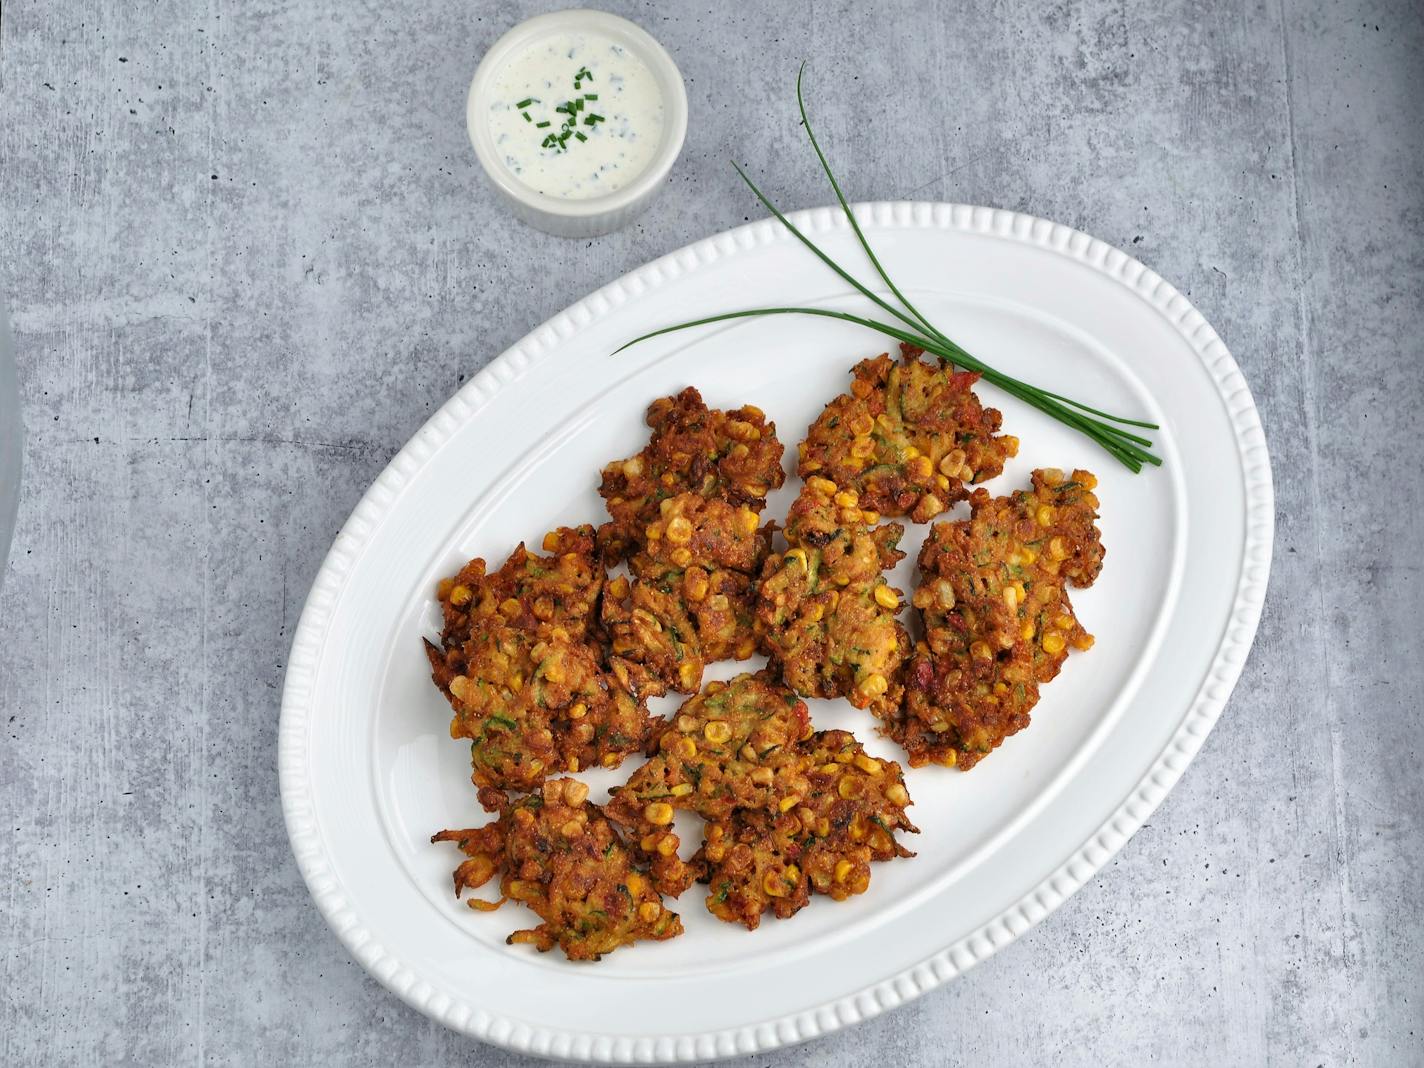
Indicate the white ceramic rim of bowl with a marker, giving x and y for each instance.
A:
(652, 53)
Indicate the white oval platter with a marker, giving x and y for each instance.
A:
(368, 771)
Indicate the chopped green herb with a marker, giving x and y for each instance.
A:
(526, 102)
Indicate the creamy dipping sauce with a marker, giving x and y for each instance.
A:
(575, 115)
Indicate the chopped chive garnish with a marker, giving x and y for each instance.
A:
(578, 104)
(563, 109)
(541, 125)
(596, 117)
(590, 96)
(526, 116)
(526, 102)
(581, 137)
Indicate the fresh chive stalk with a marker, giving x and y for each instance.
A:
(1131, 450)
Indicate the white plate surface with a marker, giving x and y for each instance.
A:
(368, 770)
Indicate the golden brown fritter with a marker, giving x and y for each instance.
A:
(691, 598)
(722, 751)
(530, 592)
(820, 839)
(907, 437)
(729, 455)
(998, 622)
(520, 664)
(559, 855)
(533, 707)
(826, 614)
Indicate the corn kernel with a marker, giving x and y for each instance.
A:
(795, 556)
(850, 787)
(686, 748)
(1045, 515)
(868, 764)
(862, 424)
(575, 793)
(667, 845)
(717, 732)
(885, 597)
(747, 521)
(510, 607)
(688, 672)
(843, 868)
(861, 447)
(571, 829)
(1053, 643)
(910, 453)
(653, 531)
(897, 795)
(682, 789)
(823, 486)
(847, 498)
(649, 911)
(870, 517)
(658, 813)
(786, 804)
(695, 583)
(874, 684)
(1058, 549)
(772, 884)
(460, 595)
(635, 883)
(679, 530)
(981, 651)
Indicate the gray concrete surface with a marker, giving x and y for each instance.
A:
(247, 253)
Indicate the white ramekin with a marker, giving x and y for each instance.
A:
(596, 215)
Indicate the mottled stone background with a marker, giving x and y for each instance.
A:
(248, 252)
